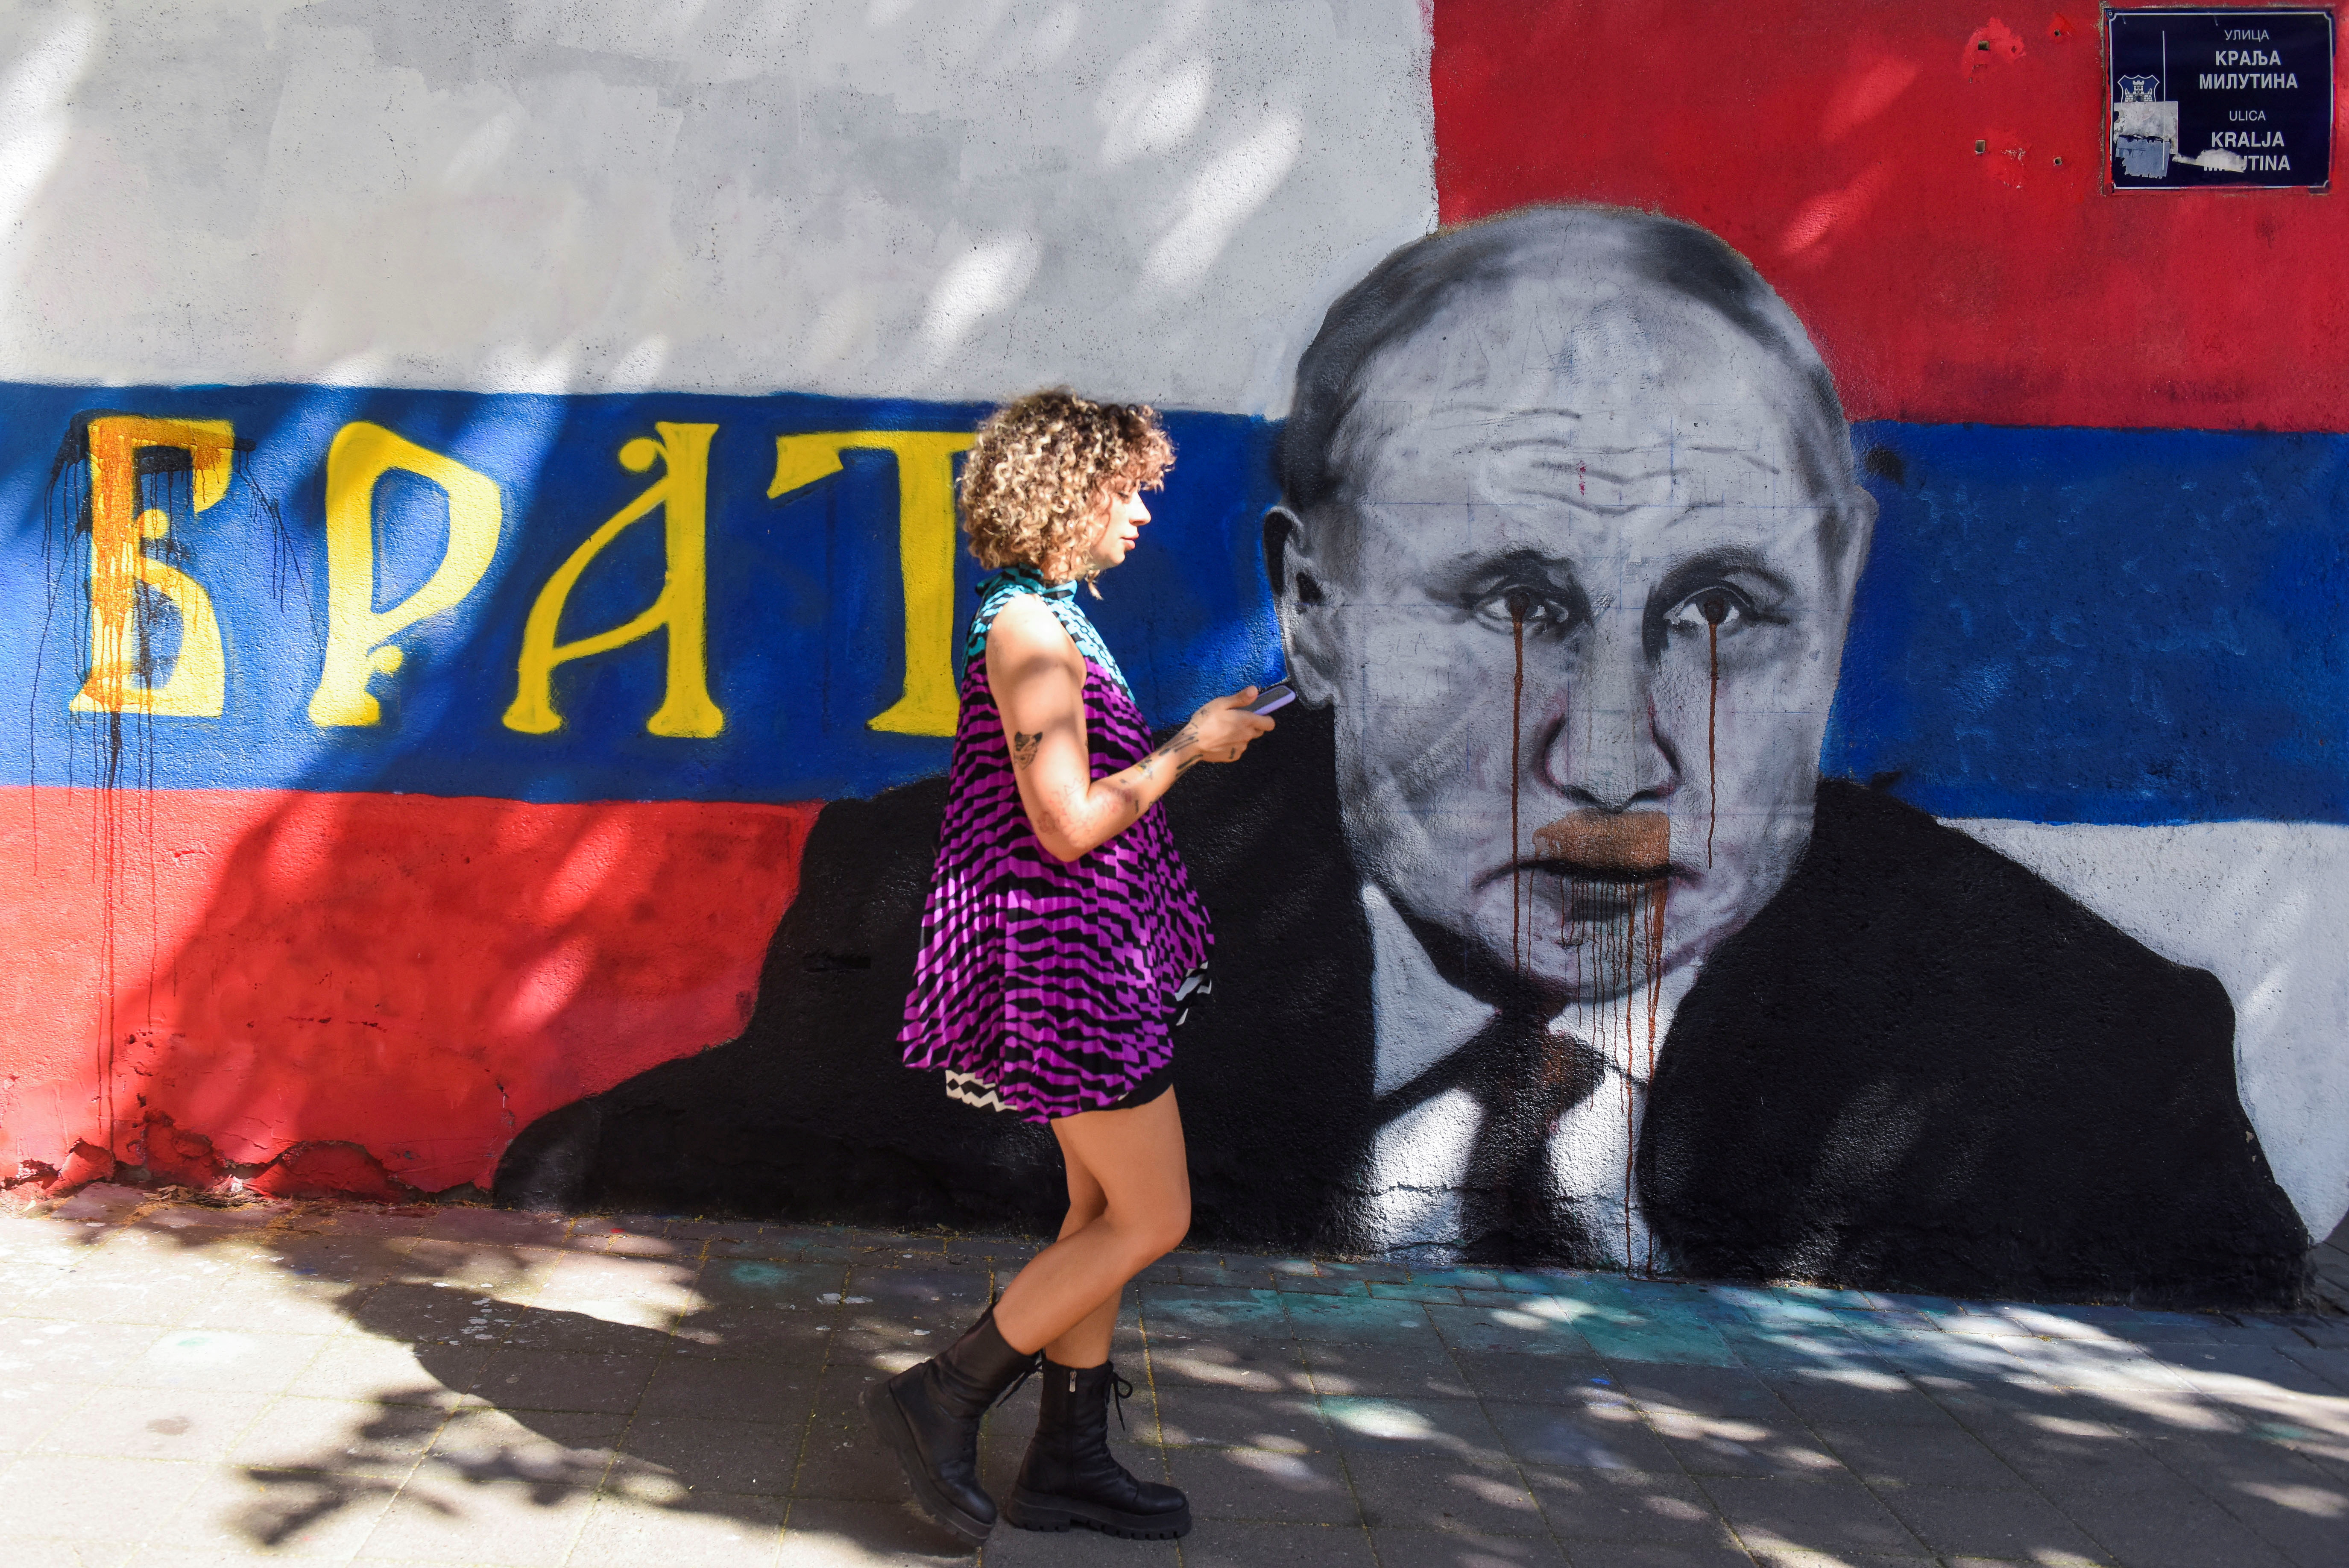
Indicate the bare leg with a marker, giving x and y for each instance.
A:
(1066, 1298)
(1086, 1344)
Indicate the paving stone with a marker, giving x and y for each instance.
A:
(2172, 1529)
(1520, 1379)
(300, 1434)
(37, 1351)
(1855, 1398)
(25, 1554)
(220, 1361)
(2307, 1518)
(1747, 1445)
(1458, 1279)
(748, 1330)
(2077, 1363)
(1262, 1484)
(30, 1411)
(1452, 1428)
(2063, 1463)
(1820, 1514)
(1408, 1371)
(1624, 1505)
(1798, 1349)
(1919, 1456)
(391, 1372)
(1440, 1295)
(1646, 1554)
(1189, 1415)
(1010, 1548)
(1376, 1272)
(1449, 1548)
(1512, 1327)
(703, 1531)
(1695, 1344)
(831, 1533)
(730, 1390)
(153, 1424)
(1215, 1315)
(1593, 1436)
(1256, 1365)
(556, 1380)
(1414, 1492)
(2332, 1365)
(2244, 1371)
(1699, 1390)
(497, 1520)
(53, 1495)
(1767, 1556)
(721, 1390)
(1361, 1320)
(1234, 1544)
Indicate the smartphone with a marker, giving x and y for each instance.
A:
(1279, 696)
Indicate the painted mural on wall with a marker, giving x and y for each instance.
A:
(1540, 936)
(1842, 776)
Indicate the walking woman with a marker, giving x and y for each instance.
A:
(1061, 948)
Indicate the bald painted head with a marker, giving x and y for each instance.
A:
(1569, 537)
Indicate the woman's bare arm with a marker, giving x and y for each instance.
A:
(1038, 681)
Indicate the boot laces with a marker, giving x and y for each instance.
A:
(1120, 1392)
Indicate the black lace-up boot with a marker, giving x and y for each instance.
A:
(1072, 1477)
(929, 1416)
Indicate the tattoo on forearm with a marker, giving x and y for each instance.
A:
(1188, 736)
(1023, 747)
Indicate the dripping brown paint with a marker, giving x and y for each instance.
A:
(1715, 610)
(1516, 732)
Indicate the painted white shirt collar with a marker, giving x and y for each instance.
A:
(1418, 1159)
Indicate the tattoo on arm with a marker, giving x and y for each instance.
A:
(1023, 747)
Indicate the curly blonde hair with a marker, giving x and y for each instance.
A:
(1040, 469)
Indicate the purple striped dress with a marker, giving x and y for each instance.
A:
(1044, 987)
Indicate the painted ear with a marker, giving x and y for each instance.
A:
(1297, 593)
(1855, 526)
(1287, 560)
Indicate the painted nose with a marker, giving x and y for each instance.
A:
(1606, 751)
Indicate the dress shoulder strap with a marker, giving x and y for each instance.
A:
(1061, 598)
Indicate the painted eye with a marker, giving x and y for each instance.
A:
(1718, 608)
(1507, 608)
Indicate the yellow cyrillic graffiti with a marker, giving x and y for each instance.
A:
(681, 608)
(359, 636)
(119, 566)
(926, 549)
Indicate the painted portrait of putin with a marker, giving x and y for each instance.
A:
(1541, 938)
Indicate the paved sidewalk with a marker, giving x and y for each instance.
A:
(187, 1384)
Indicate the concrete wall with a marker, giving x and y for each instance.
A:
(633, 927)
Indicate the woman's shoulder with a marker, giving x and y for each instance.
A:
(1026, 623)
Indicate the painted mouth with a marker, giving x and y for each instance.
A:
(1601, 849)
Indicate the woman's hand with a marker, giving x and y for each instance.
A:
(1038, 681)
(1219, 732)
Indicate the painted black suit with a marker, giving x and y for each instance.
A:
(1920, 1067)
